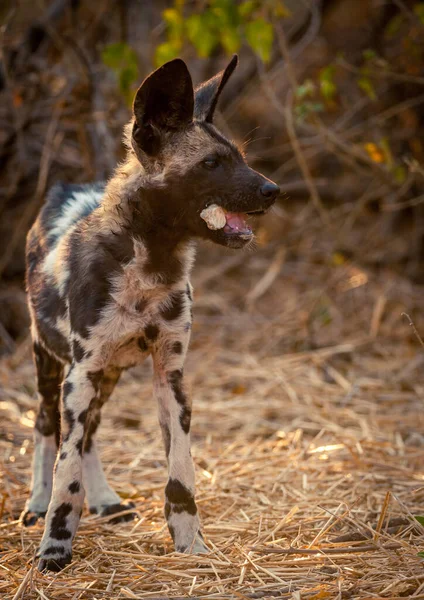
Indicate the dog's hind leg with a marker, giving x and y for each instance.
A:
(46, 434)
(101, 498)
(80, 390)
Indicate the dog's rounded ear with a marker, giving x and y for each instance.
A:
(206, 96)
(163, 102)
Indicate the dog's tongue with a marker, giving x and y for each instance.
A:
(236, 222)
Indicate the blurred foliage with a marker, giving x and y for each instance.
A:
(223, 24)
(326, 80)
(322, 94)
(122, 59)
(419, 11)
(394, 25)
(324, 91)
(308, 101)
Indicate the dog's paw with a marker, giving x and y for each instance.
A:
(197, 547)
(54, 558)
(116, 509)
(54, 564)
(30, 517)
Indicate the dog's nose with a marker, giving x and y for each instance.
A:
(269, 190)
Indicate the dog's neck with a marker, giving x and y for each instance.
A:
(135, 205)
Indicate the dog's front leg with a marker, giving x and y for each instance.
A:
(174, 417)
(78, 391)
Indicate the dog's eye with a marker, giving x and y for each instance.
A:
(211, 162)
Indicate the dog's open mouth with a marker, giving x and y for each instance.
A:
(235, 224)
(231, 223)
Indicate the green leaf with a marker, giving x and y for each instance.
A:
(384, 144)
(420, 519)
(193, 26)
(172, 17)
(112, 56)
(327, 86)
(394, 25)
(166, 51)
(174, 20)
(327, 73)
(205, 44)
(122, 59)
(366, 85)
(260, 35)
(399, 174)
(300, 112)
(420, 554)
(328, 89)
(127, 77)
(419, 11)
(307, 108)
(118, 55)
(280, 10)
(230, 40)
(369, 54)
(201, 32)
(306, 89)
(226, 13)
(247, 8)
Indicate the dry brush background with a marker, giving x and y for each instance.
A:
(307, 380)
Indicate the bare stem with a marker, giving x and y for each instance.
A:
(414, 329)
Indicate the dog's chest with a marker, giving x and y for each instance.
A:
(139, 319)
(127, 337)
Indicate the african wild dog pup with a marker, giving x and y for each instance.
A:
(108, 283)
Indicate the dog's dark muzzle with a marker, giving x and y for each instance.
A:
(256, 196)
(267, 193)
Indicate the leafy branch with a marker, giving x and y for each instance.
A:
(224, 24)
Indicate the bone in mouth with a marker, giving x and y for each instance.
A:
(214, 216)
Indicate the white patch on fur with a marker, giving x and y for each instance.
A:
(63, 326)
(56, 264)
(73, 209)
(42, 472)
(98, 492)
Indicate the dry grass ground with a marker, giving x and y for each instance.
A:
(308, 434)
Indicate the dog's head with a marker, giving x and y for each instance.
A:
(206, 187)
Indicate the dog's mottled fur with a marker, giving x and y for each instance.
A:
(108, 269)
